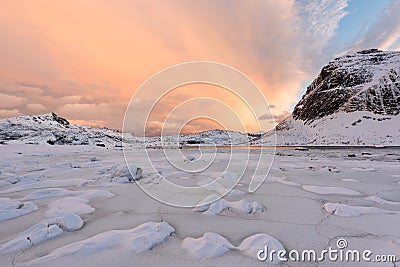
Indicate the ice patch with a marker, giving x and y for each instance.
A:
(139, 239)
(28, 178)
(350, 180)
(91, 194)
(363, 169)
(48, 193)
(60, 192)
(327, 190)
(229, 178)
(235, 192)
(45, 184)
(289, 183)
(391, 195)
(270, 178)
(345, 210)
(189, 159)
(331, 169)
(276, 179)
(213, 185)
(380, 200)
(10, 209)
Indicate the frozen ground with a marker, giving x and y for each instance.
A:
(64, 205)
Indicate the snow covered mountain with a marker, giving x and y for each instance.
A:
(365, 81)
(54, 130)
(355, 100)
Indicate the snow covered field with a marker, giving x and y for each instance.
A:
(64, 205)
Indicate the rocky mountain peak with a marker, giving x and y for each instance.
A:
(367, 80)
(58, 119)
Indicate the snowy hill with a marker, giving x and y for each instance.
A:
(355, 100)
(54, 130)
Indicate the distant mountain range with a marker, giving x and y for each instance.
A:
(53, 130)
(355, 100)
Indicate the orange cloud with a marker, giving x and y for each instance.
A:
(85, 59)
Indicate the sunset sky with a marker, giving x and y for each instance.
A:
(85, 59)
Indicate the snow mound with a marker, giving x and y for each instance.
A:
(68, 221)
(75, 205)
(63, 215)
(218, 205)
(344, 210)
(327, 190)
(255, 243)
(32, 236)
(210, 245)
(139, 239)
(10, 209)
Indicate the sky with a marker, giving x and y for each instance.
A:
(84, 60)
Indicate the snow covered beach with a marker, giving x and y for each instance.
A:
(63, 205)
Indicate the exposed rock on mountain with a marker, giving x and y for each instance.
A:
(364, 81)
